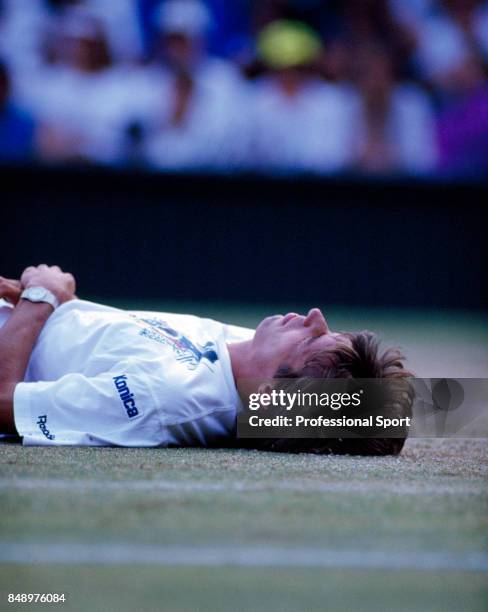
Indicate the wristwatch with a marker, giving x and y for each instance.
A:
(40, 294)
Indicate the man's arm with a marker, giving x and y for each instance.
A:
(19, 334)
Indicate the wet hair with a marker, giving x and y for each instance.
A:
(362, 359)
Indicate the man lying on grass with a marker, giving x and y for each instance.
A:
(78, 373)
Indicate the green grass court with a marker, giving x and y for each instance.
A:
(195, 529)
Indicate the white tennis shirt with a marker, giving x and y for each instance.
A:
(101, 376)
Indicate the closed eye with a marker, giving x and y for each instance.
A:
(313, 339)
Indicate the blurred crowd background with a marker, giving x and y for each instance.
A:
(353, 86)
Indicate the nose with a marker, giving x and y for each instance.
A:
(316, 321)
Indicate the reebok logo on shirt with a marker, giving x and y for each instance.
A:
(41, 421)
(126, 396)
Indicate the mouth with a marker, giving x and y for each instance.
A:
(289, 317)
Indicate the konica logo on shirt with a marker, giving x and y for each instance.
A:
(126, 396)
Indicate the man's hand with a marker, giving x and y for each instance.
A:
(10, 289)
(62, 284)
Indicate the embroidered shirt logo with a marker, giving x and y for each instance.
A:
(126, 396)
(41, 421)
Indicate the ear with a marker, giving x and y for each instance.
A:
(265, 387)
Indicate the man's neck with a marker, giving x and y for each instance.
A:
(241, 360)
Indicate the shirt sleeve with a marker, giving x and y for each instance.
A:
(115, 408)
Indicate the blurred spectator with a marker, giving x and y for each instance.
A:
(21, 25)
(197, 117)
(445, 38)
(181, 45)
(395, 122)
(299, 121)
(17, 128)
(83, 100)
(119, 21)
(463, 124)
(367, 22)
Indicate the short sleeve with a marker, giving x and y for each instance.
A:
(115, 408)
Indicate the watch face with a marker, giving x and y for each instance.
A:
(37, 293)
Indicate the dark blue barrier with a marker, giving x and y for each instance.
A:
(348, 241)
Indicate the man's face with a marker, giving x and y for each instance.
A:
(290, 340)
(179, 50)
